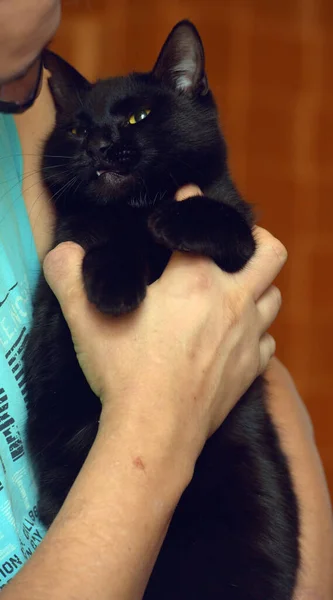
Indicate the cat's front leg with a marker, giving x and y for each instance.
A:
(204, 226)
(115, 277)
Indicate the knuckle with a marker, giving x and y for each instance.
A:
(60, 252)
(235, 305)
(230, 318)
(267, 350)
(58, 260)
(202, 275)
(279, 250)
(272, 344)
(277, 296)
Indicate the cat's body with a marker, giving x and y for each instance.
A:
(234, 535)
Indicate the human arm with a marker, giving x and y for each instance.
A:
(171, 368)
(315, 581)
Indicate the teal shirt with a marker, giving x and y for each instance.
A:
(20, 529)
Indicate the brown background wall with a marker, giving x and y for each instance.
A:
(270, 66)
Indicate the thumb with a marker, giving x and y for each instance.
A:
(63, 272)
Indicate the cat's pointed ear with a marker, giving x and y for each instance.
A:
(66, 83)
(181, 63)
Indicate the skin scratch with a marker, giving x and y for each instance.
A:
(138, 463)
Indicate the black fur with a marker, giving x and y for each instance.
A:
(234, 535)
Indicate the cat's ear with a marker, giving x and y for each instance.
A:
(66, 83)
(181, 63)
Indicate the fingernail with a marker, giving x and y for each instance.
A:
(187, 191)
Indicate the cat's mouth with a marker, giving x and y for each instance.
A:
(110, 174)
(119, 164)
(112, 177)
(99, 173)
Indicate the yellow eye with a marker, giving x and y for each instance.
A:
(78, 131)
(139, 116)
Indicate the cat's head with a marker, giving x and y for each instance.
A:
(133, 138)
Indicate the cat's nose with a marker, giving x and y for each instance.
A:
(98, 147)
(104, 146)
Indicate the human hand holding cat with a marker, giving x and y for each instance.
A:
(182, 343)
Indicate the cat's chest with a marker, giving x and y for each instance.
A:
(116, 229)
(100, 225)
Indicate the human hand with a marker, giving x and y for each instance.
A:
(179, 363)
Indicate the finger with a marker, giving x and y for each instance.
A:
(181, 261)
(267, 347)
(187, 191)
(63, 272)
(265, 265)
(268, 307)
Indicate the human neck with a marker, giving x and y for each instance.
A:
(33, 127)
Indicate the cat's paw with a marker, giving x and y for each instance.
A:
(115, 285)
(204, 226)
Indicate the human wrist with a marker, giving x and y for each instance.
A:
(151, 444)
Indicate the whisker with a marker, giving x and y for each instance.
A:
(23, 189)
(63, 188)
(195, 170)
(173, 179)
(79, 97)
(54, 166)
(78, 185)
(30, 173)
(2, 157)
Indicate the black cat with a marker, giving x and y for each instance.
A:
(119, 151)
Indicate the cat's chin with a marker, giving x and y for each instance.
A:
(110, 180)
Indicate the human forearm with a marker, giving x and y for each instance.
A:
(107, 536)
(315, 580)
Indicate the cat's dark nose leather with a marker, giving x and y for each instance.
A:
(114, 155)
(98, 147)
(104, 147)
